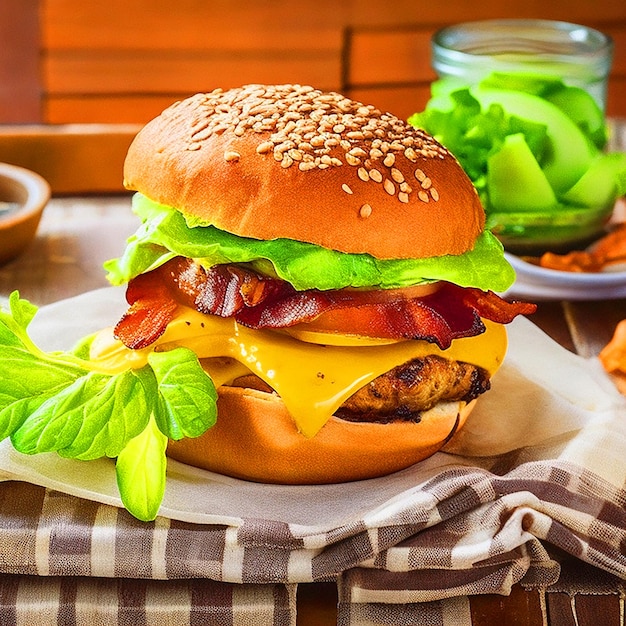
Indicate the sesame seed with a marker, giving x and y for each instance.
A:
(376, 176)
(389, 160)
(419, 174)
(365, 211)
(352, 160)
(397, 175)
(358, 152)
(434, 194)
(346, 188)
(363, 174)
(231, 155)
(265, 147)
(427, 183)
(285, 145)
(389, 187)
(422, 195)
(403, 196)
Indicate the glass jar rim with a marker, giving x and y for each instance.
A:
(479, 41)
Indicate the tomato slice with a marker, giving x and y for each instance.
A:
(368, 318)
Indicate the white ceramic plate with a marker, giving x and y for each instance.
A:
(539, 283)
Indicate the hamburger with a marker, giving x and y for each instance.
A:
(329, 266)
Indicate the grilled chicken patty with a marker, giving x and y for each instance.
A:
(416, 386)
(402, 393)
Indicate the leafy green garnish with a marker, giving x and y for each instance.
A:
(58, 402)
(165, 234)
(140, 471)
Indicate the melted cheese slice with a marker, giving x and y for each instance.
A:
(312, 379)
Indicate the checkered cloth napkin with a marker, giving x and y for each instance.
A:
(541, 462)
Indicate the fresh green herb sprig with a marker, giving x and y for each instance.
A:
(63, 403)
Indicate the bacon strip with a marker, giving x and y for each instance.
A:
(258, 302)
(152, 309)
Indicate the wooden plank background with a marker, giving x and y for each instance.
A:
(122, 61)
(77, 79)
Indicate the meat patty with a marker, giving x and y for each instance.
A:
(416, 386)
(405, 391)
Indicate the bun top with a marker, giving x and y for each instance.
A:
(291, 161)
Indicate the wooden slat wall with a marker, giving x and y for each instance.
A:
(123, 60)
(78, 78)
(20, 85)
(403, 84)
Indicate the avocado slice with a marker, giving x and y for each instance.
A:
(569, 154)
(583, 110)
(515, 181)
(601, 184)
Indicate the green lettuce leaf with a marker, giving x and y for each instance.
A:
(165, 233)
(141, 470)
(187, 406)
(58, 402)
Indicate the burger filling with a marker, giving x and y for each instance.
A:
(361, 355)
(403, 393)
(232, 291)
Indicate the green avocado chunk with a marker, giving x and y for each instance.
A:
(570, 153)
(515, 181)
(604, 181)
(583, 110)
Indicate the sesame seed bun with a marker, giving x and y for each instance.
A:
(255, 439)
(290, 161)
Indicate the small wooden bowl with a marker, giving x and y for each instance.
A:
(23, 196)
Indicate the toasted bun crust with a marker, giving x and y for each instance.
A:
(255, 439)
(290, 161)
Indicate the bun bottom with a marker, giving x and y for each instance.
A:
(256, 439)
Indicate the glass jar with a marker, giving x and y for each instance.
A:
(580, 56)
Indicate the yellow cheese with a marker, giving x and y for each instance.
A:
(313, 380)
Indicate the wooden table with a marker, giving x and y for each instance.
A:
(78, 233)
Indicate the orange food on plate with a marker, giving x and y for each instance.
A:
(613, 356)
(608, 251)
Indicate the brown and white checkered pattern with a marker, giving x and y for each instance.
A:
(467, 531)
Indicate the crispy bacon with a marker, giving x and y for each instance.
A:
(152, 308)
(258, 302)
